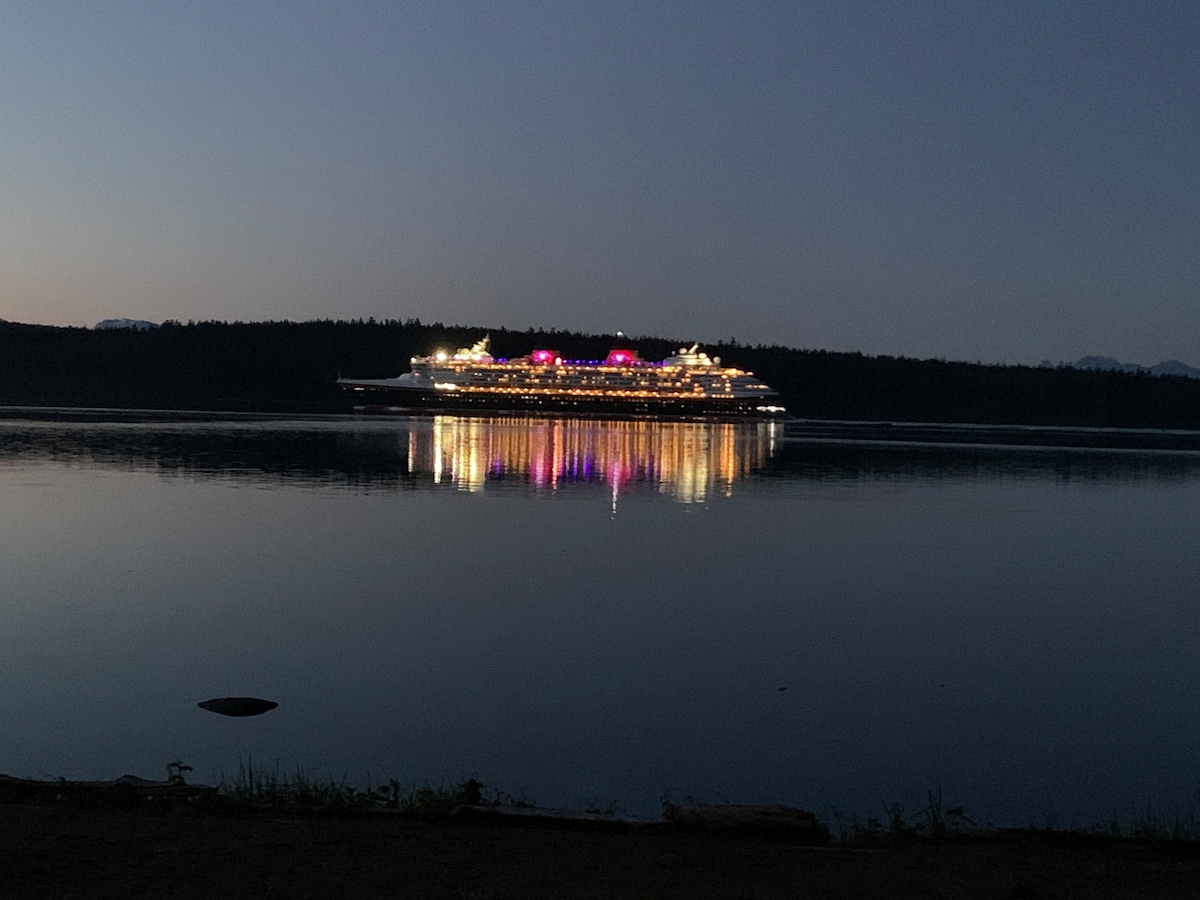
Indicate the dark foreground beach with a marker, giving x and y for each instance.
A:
(57, 852)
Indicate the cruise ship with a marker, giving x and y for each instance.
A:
(690, 383)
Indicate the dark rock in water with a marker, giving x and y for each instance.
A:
(238, 706)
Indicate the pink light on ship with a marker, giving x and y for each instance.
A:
(620, 357)
(543, 357)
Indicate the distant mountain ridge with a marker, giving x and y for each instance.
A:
(1108, 364)
(131, 324)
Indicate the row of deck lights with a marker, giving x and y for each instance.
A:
(501, 389)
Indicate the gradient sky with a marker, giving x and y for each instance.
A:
(1005, 181)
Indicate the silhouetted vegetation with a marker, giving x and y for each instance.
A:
(292, 367)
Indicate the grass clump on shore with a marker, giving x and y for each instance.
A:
(932, 822)
(272, 789)
(1155, 826)
(936, 823)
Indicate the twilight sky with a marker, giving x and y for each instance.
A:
(974, 180)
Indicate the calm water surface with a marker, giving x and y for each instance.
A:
(586, 612)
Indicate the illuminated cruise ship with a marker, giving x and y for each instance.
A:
(690, 383)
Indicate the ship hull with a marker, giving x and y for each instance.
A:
(386, 399)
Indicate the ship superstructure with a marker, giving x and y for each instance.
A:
(689, 383)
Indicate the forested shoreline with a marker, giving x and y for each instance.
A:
(292, 367)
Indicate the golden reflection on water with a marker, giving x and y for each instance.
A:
(690, 461)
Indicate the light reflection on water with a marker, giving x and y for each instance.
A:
(688, 461)
(1014, 624)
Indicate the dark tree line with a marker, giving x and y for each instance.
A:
(291, 367)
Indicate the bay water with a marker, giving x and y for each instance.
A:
(587, 613)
